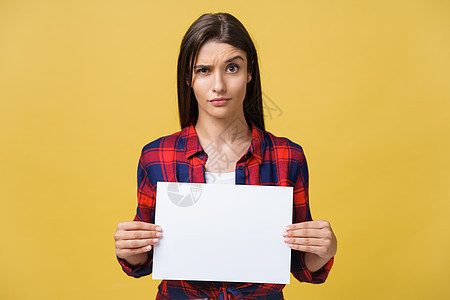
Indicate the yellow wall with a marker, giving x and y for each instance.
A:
(363, 86)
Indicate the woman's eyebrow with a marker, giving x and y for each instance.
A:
(233, 58)
(227, 61)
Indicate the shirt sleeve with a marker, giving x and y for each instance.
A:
(302, 214)
(145, 213)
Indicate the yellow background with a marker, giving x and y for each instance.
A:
(363, 86)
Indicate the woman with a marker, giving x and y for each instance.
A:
(223, 140)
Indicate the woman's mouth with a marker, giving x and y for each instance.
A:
(219, 101)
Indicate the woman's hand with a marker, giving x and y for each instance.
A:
(134, 239)
(316, 238)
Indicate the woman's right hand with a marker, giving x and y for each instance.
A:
(134, 239)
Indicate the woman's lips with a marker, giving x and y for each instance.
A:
(219, 101)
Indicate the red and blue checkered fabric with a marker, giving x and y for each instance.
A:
(270, 160)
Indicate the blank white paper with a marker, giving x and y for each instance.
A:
(221, 232)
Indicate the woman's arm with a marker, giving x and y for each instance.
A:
(314, 262)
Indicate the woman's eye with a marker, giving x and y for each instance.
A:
(202, 70)
(233, 68)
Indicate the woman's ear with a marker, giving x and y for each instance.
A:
(249, 72)
(189, 82)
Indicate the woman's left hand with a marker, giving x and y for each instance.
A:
(314, 236)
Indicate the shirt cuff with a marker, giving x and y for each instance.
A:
(137, 271)
(301, 272)
(321, 275)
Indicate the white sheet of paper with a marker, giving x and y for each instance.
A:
(221, 232)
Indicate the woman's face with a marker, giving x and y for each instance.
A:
(219, 80)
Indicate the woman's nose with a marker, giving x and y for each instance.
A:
(219, 83)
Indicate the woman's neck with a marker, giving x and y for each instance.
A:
(223, 132)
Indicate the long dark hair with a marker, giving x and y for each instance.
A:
(224, 28)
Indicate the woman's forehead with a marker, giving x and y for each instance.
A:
(213, 52)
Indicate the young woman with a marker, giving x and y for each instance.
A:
(223, 140)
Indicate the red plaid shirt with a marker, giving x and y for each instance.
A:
(270, 160)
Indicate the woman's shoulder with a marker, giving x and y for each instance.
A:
(281, 143)
(165, 142)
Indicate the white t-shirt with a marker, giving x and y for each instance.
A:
(221, 178)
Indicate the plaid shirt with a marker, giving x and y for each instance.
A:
(270, 160)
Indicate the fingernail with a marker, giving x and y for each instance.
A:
(149, 247)
(155, 240)
(285, 233)
(287, 239)
(158, 234)
(288, 228)
(158, 228)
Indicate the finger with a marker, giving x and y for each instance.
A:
(309, 225)
(307, 248)
(307, 233)
(305, 241)
(133, 244)
(123, 253)
(137, 225)
(134, 235)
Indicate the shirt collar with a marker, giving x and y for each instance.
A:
(193, 145)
